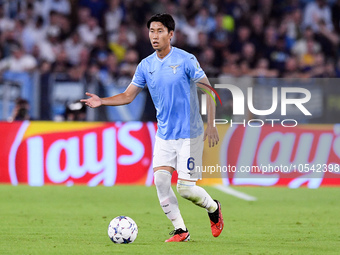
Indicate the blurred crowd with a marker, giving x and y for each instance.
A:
(106, 39)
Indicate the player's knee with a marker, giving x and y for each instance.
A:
(185, 188)
(161, 178)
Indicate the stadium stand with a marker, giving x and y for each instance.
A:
(97, 44)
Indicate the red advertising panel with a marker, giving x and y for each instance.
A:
(39, 153)
(304, 155)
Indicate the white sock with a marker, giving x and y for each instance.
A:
(196, 194)
(167, 198)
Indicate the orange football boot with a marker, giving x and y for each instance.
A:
(179, 235)
(216, 221)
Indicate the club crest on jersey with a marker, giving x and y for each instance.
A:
(174, 68)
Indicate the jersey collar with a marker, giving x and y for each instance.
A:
(163, 59)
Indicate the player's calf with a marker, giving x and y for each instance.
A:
(189, 190)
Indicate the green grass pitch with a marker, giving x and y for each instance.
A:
(74, 220)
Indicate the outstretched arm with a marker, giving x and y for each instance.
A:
(120, 99)
(211, 131)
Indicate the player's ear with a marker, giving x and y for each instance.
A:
(171, 34)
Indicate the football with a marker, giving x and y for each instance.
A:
(122, 229)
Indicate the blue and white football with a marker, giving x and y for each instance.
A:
(122, 229)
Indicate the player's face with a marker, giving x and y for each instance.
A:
(159, 36)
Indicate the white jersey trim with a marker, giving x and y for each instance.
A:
(169, 54)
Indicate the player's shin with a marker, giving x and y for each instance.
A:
(196, 194)
(167, 198)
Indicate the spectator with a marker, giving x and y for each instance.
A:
(257, 27)
(233, 8)
(317, 69)
(83, 15)
(54, 19)
(279, 55)
(100, 51)
(336, 16)
(136, 12)
(143, 46)
(129, 36)
(337, 69)
(33, 33)
(18, 61)
(248, 54)
(21, 110)
(178, 16)
(293, 21)
(244, 68)
(204, 21)
(191, 30)
(51, 46)
(73, 46)
(190, 8)
(65, 27)
(262, 69)
(28, 15)
(5, 22)
(109, 75)
(8, 39)
(60, 6)
(230, 69)
(315, 12)
(329, 70)
(203, 43)
(113, 17)
(97, 8)
(179, 40)
(18, 29)
(300, 47)
(77, 72)
(61, 64)
(130, 61)
(125, 40)
(242, 37)
(291, 68)
(329, 40)
(158, 6)
(89, 31)
(219, 39)
(269, 42)
(46, 8)
(207, 60)
(127, 68)
(307, 60)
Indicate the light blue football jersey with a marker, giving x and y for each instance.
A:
(171, 82)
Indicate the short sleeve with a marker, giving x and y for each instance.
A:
(194, 69)
(139, 79)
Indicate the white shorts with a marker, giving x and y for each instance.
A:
(184, 155)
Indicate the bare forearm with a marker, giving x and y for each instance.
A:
(120, 99)
(211, 131)
(211, 109)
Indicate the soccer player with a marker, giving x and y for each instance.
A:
(172, 76)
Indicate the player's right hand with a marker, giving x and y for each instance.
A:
(93, 102)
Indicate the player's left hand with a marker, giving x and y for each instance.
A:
(212, 134)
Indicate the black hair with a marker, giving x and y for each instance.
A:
(165, 19)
